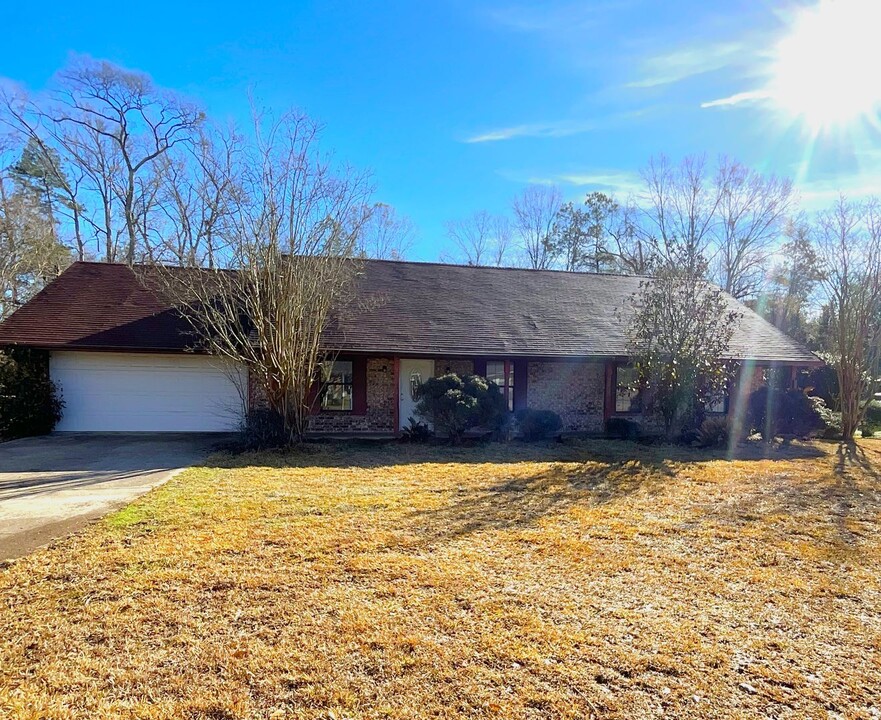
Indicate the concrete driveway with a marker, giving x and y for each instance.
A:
(53, 485)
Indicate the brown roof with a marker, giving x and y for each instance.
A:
(412, 308)
(97, 306)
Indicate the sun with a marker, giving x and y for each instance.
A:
(827, 69)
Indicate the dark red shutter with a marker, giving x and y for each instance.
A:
(480, 367)
(611, 380)
(359, 386)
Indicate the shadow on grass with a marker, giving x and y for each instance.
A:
(374, 454)
(853, 457)
(822, 498)
(520, 502)
(595, 472)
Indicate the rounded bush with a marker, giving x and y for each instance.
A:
(538, 424)
(455, 404)
(30, 403)
(623, 429)
(787, 413)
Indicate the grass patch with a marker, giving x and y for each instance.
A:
(567, 580)
(134, 514)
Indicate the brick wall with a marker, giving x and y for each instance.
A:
(381, 399)
(442, 366)
(256, 396)
(573, 390)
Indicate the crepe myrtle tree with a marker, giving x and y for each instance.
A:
(290, 242)
(679, 335)
(849, 249)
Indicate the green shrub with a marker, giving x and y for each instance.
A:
(455, 404)
(623, 429)
(831, 420)
(788, 413)
(416, 431)
(821, 382)
(538, 424)
(872, 419)
(30, 403)
(714, 432)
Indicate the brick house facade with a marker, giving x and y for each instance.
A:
(555, 340)
(581, 392)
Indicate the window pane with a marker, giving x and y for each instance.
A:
(626, 394)
(720, 406)
(336, 380)
(495, 372)
(341, 372)
(337, 397)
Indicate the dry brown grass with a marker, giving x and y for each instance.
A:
(593, 579)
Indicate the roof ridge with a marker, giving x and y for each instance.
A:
(438, 263)
(425, 263)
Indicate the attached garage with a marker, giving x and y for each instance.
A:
(146, 392)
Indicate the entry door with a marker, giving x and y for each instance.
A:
(411, 374)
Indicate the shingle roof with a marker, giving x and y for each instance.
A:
(97, 306)
(404, 307)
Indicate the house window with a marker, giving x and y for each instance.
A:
(719, 406)
(336, 385)
(627, 396)
(501, 372)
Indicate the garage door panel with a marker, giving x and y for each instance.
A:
(133, 392)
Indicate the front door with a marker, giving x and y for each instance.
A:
(411, 374)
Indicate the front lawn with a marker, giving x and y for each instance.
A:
(590, 579)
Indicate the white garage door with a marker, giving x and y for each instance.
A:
(119, 392)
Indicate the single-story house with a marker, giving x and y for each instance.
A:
(552, 340)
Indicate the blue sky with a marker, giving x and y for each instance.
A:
(456, 105)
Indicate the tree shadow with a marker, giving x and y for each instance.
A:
(841, 496)
(594, 472)
(850, 499)
(853, 457)
(521, 502)
(377, 454)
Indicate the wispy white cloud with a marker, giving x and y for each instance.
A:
(686, 62)
(617, 182)
(749, 96)
(557, 128)
(563, 128)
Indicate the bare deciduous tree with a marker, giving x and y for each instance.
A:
(199, 188)
(500, 254)
(123, 110)
(535, 211)
(107, 128)
(752, 209)
(473, 237)
(97, 161)
(681, 204)
(849, 246)
(386, 234)
(291, 246)
(632, 250)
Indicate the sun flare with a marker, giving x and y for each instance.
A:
(827, 70)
